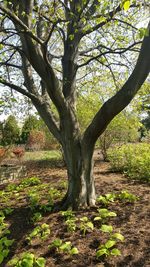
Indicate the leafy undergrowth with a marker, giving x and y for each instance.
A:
(114, 233)
(132, 159)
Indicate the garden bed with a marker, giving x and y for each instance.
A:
(132, 220)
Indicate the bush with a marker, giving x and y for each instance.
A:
(18, 152)
(4, 152)
(121, 130)
(132, 159)
(36, 140)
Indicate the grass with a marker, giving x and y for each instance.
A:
(42, 155)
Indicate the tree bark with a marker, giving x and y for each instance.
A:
(81, 186)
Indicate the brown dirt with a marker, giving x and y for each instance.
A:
(133, 221)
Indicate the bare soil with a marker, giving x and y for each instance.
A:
(132, 221)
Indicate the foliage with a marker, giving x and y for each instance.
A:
(124, 128)
(5, 243)
(18, 152)
(11, 131)
(30, 123)
(43, 156)
(106, 199)
(36, 140)
(30, 181)
(132, 159)
(70, 220)
(104, 214)
(65, 247)
(42, 231)
(109, 247)
(37, 216)
(85, 225)
(124, 195)
(4, 152)
(27, 259)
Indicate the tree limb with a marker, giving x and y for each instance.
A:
(18, 89)
(110, 51)
(123, 97)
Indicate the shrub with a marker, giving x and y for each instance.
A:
(4, 151)
(132, 159)
(18, 152)
(122, 129)
(36, 140)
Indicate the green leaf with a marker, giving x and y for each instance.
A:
(90, 225)
(27, 262)
(35, 232)
(112, 214)
(1, 258)
(101, 252)
(74, 251)
(57, 242)
(84, 219)
(1, 46)
(106, 228)
(28, 255)
(126, 5)
(66, 246)
(71, 37)
(40, 262)
(13, 262)
(115, 252)
(110, 243)
(5, 252)
(44, 226)
(97, 218)
(8, 242)
(118, 236)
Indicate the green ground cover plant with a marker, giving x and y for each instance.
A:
(27, 259)
(85, 225)
(64, 247)
(132, 159)
(104, 214)
(107, 199)
(39, 200)
(42, 231)
(5, 242)
(109, 248)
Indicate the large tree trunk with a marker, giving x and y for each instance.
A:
(81, 187)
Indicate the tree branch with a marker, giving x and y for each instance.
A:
(123, 97)
(110, 51)
(18, 89)
(19, 22)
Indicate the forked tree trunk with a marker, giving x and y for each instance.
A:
(81, 186)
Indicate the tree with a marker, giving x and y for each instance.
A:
(36, 140)
(49, 47)
(124, 128)
(11, 131)
(30, 123)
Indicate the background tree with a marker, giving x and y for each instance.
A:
(30, 123)
(50, 47)
(11, 131)
(123, 129)
(36, 140)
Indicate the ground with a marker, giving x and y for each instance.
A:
(132, 220)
